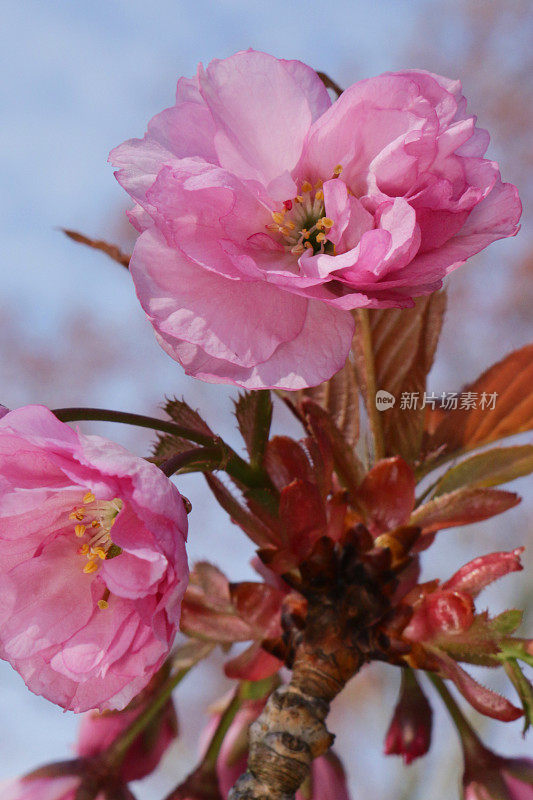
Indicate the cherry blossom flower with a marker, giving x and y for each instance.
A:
(267, 213)
(92, 548)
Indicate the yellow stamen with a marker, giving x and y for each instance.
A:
(100, 552)
(319, 184)
(277, 216)
(79, 530)
(273, 226)
(91, 566)
(77, 514)
(319, 195)
(95, 524)
(337, 171)
(103, 604)
(327, 222)
(298, 249)
(305, 233)
(321, 237)
(306, 186)
(289, 224)
(298, 198)
(284, 230)
(84, 549)
(89, 498)
(308, 246)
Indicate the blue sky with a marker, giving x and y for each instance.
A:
(78, 78)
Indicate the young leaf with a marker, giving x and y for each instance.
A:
(487, 469)
(404, 343)
(258, 532)
(462, 507)
(523, 688)
(510, 382)
(183, 414)
(254, 416)
(339, 397)
(347, 465)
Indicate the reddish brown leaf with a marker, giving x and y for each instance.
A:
(462, 507)
(404, 343)
(286, 460)
(347, 464)
(110, 250)
(387, 494)
(302, 515)
(250, 524)
(207, 611)
(253, 664)
(259, 605)
(463, 429)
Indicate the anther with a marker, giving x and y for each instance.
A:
(277, 216)
(306, 186)
(103, 604)
(337, 171)
(321, 237)
(91, 566)
(79, 530)
(89, 498)
(319, 195)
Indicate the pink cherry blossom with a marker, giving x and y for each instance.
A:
(98, 731)
(93, 562)
(267, 213)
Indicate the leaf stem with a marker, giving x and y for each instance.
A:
(373, 413)
(215, 455)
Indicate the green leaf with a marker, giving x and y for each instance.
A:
(507, 622)
(254, 416)
(524, 690)
(487, 469)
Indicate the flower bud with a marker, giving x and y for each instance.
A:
(488, 776)
(69, 780)
(409, 733)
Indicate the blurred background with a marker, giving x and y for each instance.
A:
(81, 77)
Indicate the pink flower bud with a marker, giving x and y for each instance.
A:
(63, 782)
(488, 776)
(99, 536)
(409, 733)
(98, 731)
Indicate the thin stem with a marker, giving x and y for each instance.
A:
(118, 750)
(373, 413)
(210, 759)
(465, 730)
(141, 421)
(234, 465)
